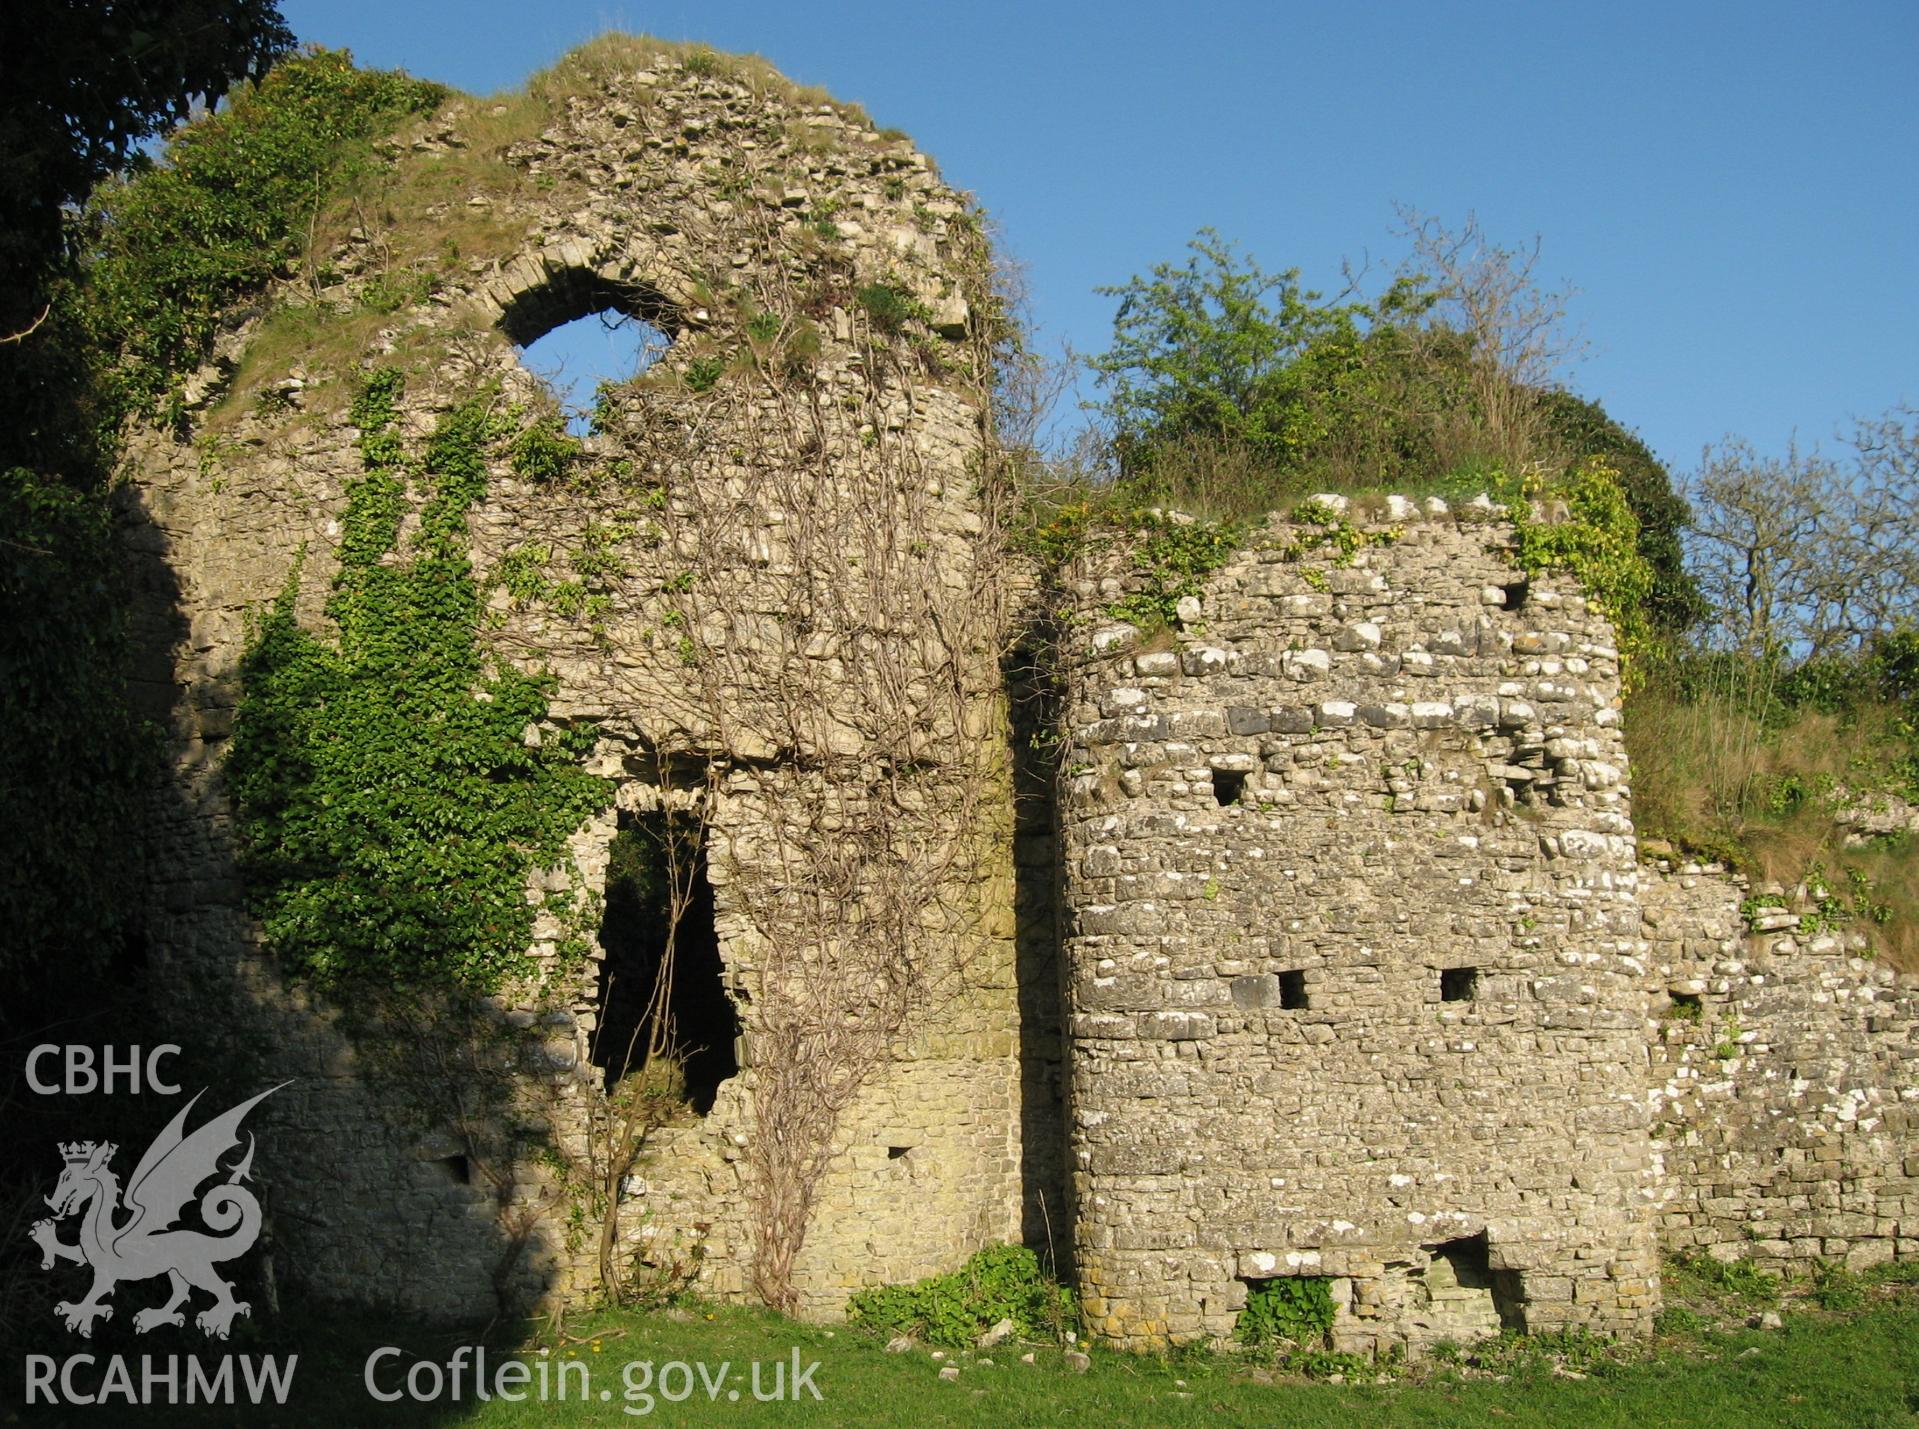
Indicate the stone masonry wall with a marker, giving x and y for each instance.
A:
(1329, 929)
(830, 460)
(1350, 945)
(1784, 1102)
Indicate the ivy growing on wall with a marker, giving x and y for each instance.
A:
(392, 801)
(1599, 543)
(1174, 557)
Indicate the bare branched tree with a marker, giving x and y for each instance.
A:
(1517, 329)
(1805, 555)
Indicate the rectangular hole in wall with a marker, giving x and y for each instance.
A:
(1287, 1310)
(662, 982)
(1685, 1007)
(1479, 1299)
(1458, 984)
(1292, 990)
(1514, 595)
(1228, 785)
(895, 1153)
(456, 1169)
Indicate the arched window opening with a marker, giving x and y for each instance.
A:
(580, 331)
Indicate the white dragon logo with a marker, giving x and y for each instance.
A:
(148, 1243)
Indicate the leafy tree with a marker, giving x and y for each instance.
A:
(1581, 428)
(169, 247)
(1512, 342)
(179, 243)
(1207, 348)
(87, 82)
(1236, 389)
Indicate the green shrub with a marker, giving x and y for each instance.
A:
(544, 452)
(1740, 1279)
(1598, 543)
(1289, 1309)
(1175, 557)
(887, 306)
(228, 205)
(1678, 1320)
(1893, 1272)
(703, 373)
(1834, 1287)
(1002, 1282)
(1582, 429)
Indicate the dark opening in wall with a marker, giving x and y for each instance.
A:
(457, 1170)
(1458, 984)
(1292, 990)
(894, 1153)
(1515, 595)
(646, 999)
(1035, 705)
(1228, 785)
(1686, 1007)
(581, 330)
(1466, 1265)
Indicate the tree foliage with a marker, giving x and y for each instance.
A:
(1580, 428)
(1218, 347)
(88, 82)
(169, 246)
(175, 246)
(1237, 390)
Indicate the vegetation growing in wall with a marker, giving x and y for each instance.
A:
(1173, 558)
(1598, 541)
(1232, 391)
(1287, 1309)
(1002, 1282)
(226, 209)
(396, 788)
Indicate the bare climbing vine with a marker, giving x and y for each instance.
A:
(814, 571)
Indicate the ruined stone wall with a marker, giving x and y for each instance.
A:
(1326, 923)
(752, 543)
(1350, 944)
(1784, 1103)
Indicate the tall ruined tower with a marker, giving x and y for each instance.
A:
(763, 589)
(1352, 967)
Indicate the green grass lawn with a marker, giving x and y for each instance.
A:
(1856, 1368)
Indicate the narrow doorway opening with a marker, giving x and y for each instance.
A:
(662, 989)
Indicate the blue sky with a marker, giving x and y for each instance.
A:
(1732, 188)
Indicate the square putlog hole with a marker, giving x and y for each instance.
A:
(1292, 991)
(1228, 785)
(1685, 1007)
(1458, 984)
